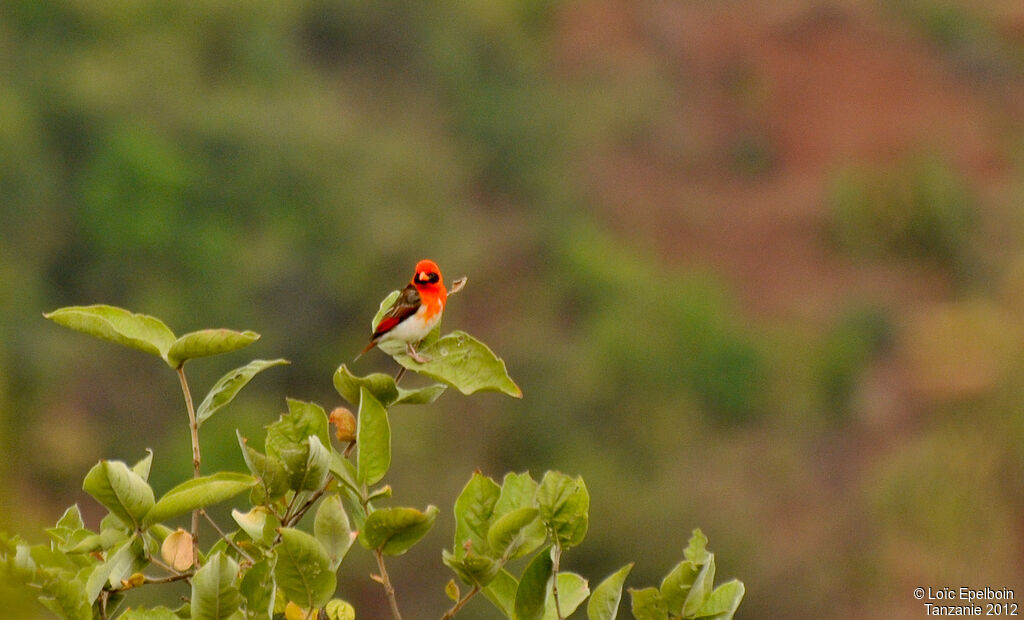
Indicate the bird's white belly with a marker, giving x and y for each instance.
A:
(414, 328)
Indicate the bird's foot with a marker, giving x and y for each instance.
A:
(417, 356)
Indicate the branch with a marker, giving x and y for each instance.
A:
(308, 504)
(225, 537)
(554, 578)
(389, 590)
(154, 580)
(194, 427)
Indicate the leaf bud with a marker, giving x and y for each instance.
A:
(344, 424)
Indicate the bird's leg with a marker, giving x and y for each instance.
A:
(419, 357)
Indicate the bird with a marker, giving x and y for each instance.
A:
(415, 312)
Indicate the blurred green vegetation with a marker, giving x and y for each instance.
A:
(280, 165)
(919, 208)
(979, 43)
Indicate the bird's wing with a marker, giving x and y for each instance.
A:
(407, 303)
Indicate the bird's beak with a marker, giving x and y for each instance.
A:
(422, 276)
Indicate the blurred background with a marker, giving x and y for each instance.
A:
(757, 267)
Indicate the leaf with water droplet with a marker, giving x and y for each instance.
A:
(465, 363)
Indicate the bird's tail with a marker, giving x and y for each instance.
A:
(372, 344)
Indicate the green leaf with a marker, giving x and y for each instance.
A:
(451, 590)
(723, 602)
(394, 530)
(344, 471)
(199, 493)
(383, 388)
(303, 569)
(70, 532)
(647, 604)
(420, 396)
(113, 530)
(288, 438)
(228, 386)
(533, 587)
(381, 385)
(259, 523)
(517, 491)
(153, 613)
(122, 491)
(116, 567)
(337, 609)
(67, 599)
(507, 534)
(71, 520)
(138, 331)
(464, 363)
(502, 592)
(143, 466)
(474, 508)
(270, 472)
(318, 467)
(604, 602)
(675, 587)
(472, 568)
(520, 491)
(291, 429)
(702, 587)
(332, 529)
(373, 439)
(207, 342)
(572, 591)
(49, 560)
(564, 506)
(215, 594)
(697, 549)
(257, 588)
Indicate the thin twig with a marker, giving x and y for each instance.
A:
(556, 555)
(288, 509)
(289, 519)
(155, 560)
(308, 504)
(461, 603)
(225, 537)
(170, 578)
(389, 590)
(103, 605)
(196, 460)
(153, 580)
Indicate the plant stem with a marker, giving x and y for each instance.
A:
(225, 537)
(460, 604)
(160, 563)
(151, 580)
(308, 504)
(556, 556)
(194, 427)
(389, 590)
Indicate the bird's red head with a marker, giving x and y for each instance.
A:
(427, 274)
